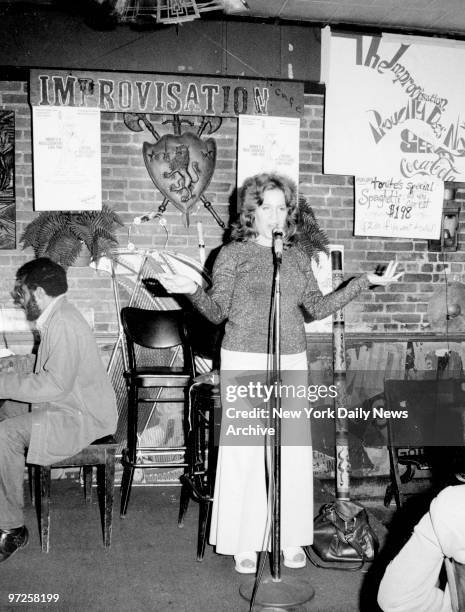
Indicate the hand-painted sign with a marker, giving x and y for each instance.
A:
(394, 107)
(398, 207)
(166, 94)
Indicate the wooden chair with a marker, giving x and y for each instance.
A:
(435, 412)
(101, 454)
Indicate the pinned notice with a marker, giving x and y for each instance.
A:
(398, 207)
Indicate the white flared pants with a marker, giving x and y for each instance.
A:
(239, 517)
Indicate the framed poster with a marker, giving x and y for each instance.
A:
(7, 180)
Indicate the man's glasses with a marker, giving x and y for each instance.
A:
(18, 295)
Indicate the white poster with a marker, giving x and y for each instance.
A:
(67, 158)
(395, 106)
(268, 144)
(398, 207)
(324, 277)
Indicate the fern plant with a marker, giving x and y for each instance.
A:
(61, 235)
(309, 236)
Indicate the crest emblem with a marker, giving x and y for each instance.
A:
(181, 168)
(180, 165)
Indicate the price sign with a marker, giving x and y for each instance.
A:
(398, 207)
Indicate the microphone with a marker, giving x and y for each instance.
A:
(278, 244)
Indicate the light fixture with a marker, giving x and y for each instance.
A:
(448, 240)
(164, 11)
(235, 6)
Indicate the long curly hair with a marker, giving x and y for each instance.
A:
(251, 197)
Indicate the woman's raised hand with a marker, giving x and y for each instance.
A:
(177, 283)
(389, 275)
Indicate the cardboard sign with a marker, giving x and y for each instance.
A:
(398, 207)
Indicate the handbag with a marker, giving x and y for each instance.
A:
(343, 537)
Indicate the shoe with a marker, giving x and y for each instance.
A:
(11, 540)
(294, 557)
(246, 563)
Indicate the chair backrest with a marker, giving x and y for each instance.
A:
(425, 412)
(155, 329)
(205, 337)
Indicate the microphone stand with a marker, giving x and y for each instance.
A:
(277, 592)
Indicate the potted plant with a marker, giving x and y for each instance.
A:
(66, 236)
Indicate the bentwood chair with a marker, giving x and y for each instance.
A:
(165, 335)
(202, 441)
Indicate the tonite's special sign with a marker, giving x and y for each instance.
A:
(166, 94)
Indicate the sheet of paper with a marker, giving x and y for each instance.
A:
(67, 158)
(268, 144)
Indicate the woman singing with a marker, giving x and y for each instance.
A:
(241, 294)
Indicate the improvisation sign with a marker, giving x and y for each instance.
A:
(166, 94)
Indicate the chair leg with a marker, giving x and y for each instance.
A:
(87, 477)
(184, 500)
(126, 484)
(43, 506)
(31, 484)
(204, 517)
(109, 489)
(131, 452)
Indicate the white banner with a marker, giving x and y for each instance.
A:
(395, 106)
(398, 207)
(268, 144)
(67, 158)
(324, 277)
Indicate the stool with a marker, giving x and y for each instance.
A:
(161, 332)
(101, 454)
(198, 481)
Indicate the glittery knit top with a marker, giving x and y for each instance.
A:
(241, 293)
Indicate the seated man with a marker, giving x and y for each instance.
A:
(410, 582)
(73, 399)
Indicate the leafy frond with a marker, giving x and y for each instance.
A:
(310, 237)
(63, 248)
(61, 234)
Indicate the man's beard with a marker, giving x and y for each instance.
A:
(32, 309)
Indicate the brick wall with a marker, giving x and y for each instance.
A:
(128, 189)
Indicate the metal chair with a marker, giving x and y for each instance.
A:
(161, 331)
(101, 454)
(202, 442)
